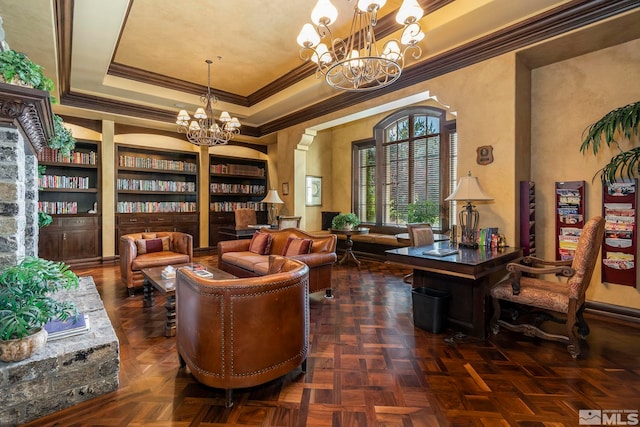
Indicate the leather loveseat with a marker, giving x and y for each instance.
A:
(238, 333)
(240, 259)
(142, 250)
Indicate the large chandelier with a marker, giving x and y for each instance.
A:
(356, 64)
(205, 129)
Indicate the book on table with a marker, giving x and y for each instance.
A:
(74, 325)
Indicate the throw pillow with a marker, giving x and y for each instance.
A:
(149, 235)
(296, 246)
(147, 246)
(260, 243)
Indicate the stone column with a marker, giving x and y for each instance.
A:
(12, 196)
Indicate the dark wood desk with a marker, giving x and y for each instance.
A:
(465, 276)
(231, 232)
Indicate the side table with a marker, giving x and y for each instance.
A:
(348, 254)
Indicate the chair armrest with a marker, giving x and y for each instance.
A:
(183, 244)
(535, 262)
(241, 245)
(316, 259)
(517, 269)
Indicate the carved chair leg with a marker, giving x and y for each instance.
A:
(583, 327)
(495, 328)
(574, 342)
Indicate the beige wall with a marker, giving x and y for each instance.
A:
(566, 98)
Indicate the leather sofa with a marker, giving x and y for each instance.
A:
(178, 251)
(238, 333)
(235, 257)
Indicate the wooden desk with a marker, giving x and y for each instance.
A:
(465, 276)
(232, 232)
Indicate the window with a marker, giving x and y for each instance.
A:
(406, 171)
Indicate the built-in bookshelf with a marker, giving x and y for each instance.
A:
(234, 183)
(69, 191)
(156, 190)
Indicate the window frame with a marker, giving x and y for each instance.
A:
(446, 129)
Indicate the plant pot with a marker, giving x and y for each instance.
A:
(22, 348)
(348, 227)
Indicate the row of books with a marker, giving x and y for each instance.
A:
(153, 207)
(155, 185)
(55, 208)
(232, 206)
(237, 189)
(57, 181)
(162, 164)
(233, 169)
(77, 157)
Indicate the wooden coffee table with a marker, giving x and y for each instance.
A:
(153, 279)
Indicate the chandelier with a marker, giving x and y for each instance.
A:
(356, 64)
(205, 129)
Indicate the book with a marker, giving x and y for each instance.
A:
(441, 252)
(74, 325)
(204, 273)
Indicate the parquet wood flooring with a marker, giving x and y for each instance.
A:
(368, 366)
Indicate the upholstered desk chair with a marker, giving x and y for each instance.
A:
(548, 297)
(420, 234)
(288, 222)
(244, 217)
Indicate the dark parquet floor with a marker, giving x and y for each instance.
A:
(368, 366)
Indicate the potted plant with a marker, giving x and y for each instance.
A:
(621, 122)
(26, 304)
(345, 221)
(17, 69)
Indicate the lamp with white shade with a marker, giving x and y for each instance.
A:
(468, 190)
(273, 199)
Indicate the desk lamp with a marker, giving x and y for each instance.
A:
(273, 199)
(468, 190)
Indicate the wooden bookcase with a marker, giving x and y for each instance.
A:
(156, 190)
(235, 183)
(70, 193)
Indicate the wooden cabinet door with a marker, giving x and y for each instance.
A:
(81, 244)
(50, 244)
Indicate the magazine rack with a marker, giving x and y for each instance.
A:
(619, 208)
(570, 217)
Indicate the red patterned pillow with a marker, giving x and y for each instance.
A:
(297, 246)
(260, 243)
(147, 246)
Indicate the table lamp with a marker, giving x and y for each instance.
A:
(273, 199)
(468, 190)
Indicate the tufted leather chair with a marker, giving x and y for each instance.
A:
(548, 298)
(243, 332)
(131, 263)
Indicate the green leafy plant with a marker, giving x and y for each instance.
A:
(341, 220)
(17, 68)
(623, 121)
(25, 303)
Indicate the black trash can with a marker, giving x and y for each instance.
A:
(430, 309)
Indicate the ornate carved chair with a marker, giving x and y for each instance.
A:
(288, 222)
(244, 217)
(550, 297)
(420, 234)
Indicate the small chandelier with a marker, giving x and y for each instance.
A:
(205, 129)
(356, 64)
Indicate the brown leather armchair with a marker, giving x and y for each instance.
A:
(243, 332)
(131, 262)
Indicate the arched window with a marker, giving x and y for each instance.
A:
(406, 171)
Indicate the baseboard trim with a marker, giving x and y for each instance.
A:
(616, 311)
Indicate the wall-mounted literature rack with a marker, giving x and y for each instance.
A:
(620, 246)
(570, 217)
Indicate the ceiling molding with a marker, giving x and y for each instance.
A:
(567, 17)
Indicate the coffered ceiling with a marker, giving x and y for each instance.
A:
(138, 62)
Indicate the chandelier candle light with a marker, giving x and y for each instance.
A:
(468, 190)
(356, 64)
(273, 199)
(204, 129)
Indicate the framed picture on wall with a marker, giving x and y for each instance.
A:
(313, 190)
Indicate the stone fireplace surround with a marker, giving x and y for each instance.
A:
(74, 369)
